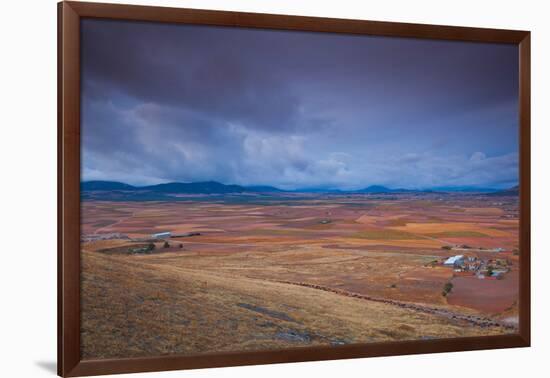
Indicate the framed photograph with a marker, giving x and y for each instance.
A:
(239, 188)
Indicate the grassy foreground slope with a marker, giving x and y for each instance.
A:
(137, 307)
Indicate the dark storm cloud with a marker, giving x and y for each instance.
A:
(188, 103)
(200, 69)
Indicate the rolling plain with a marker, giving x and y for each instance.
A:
(291, 270)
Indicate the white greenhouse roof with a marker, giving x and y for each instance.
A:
(453, 259)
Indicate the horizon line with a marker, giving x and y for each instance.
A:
(325, 188)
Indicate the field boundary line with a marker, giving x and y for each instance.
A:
(476, 320)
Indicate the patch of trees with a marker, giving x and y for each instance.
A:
(141, 249)
(447, 289)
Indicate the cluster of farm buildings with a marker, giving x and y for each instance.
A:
(482, 268)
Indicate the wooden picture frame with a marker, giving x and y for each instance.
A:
(69, 17)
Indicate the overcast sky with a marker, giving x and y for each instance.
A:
(184, 103)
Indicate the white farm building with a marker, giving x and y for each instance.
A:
(161, 235)
(454, 260)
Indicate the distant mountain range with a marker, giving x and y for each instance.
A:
(263, 189)
(213, 187)
(378, 189)
(514, 191)
(104, 185)
(205, 187)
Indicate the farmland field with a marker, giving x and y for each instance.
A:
(270, 272)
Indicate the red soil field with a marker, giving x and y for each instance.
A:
(488, 295)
